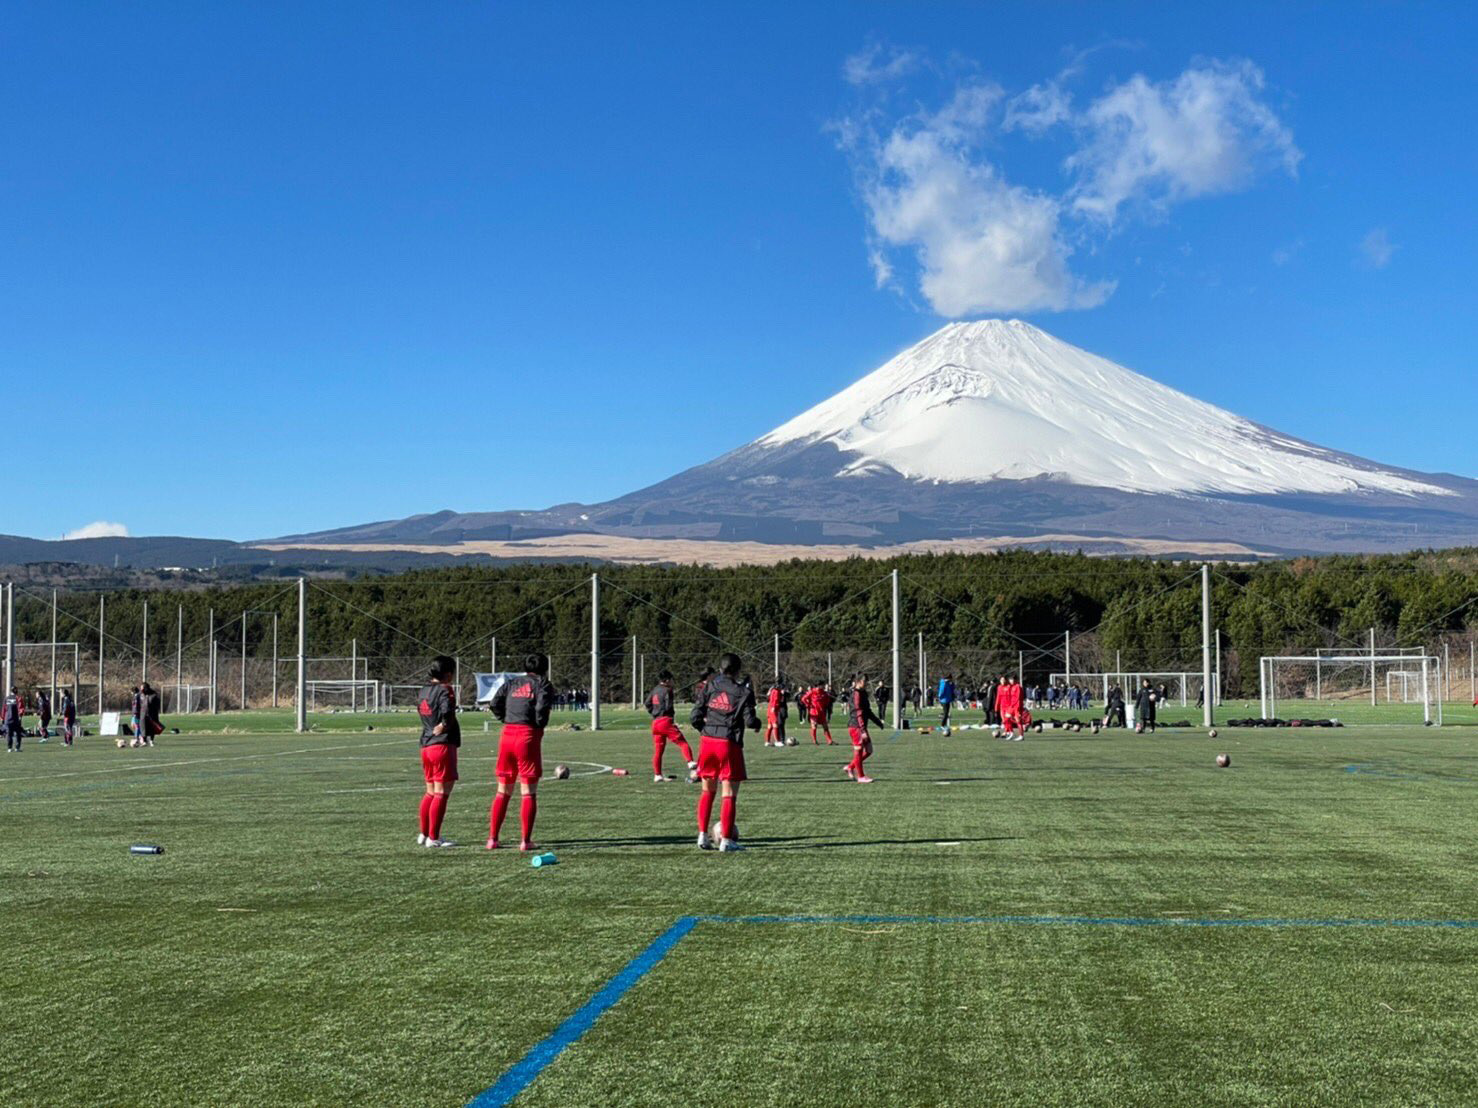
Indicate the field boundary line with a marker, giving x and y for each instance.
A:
(526, 1070)
(205, 761)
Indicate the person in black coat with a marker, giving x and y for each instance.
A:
(1144, 707)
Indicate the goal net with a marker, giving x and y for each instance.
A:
(343, 696)
(185, 699)
(1353, 688)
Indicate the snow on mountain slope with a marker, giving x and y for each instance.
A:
(1000, 399)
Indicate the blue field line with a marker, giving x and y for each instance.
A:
(1101, 921)
(517, 1079)
(528, 1068)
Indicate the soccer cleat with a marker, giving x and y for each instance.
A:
(431, 842)
(848, 771)
(703, 843)
(864, 780)
(494, 844)
(420, 838)
(728, 846)
(527, 845)
(657, 779)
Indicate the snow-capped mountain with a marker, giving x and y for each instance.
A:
(999, 400)
(998, 429)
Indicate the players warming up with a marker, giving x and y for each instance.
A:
(779, 708)
(69, 719)
(441, 735)
(724, 709)
(665, 730)
(859, 715)
(522, 704)
(817, 702)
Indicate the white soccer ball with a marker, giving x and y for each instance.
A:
(792, 741)
(1211, 734)
(121, 744)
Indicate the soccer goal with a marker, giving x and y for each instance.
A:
(395, 697)
(186, 699)
(343, 696)
(1375, 688)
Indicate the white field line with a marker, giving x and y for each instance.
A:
(209, 761)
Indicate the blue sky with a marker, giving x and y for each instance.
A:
(267, 268)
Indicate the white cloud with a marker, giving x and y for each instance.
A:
(1156, 144)
(99, 530)
(982, 243)
(1038, 108)
(1287, 252)
(877, 64)
(934, 187)
(1377, 249)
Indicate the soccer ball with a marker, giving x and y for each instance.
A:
(1211, 734)
(561, 772)
(121, 744)
(792, 741)
(944, 731)
(1223, 760)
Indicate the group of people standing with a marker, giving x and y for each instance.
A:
(724, 709)
(13, 718)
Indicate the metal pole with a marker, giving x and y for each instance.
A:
(9, 636)
(302, 691)
(923, 679)
(1207, 696)
(457, 660)
(1426, 703)
(897, 662)
(144, 668)
(595, 652)
(354, 675)
(179, 660)
(777, 657)
(210, 661)
(1067, 657)
(274, 659)
(53, 646)
(243, 661)
(642, 671)
(828, 668)
(634, 694)
(495, 654)
(102, 610)
(1020, 668)
(1446, 666)
(1372, 667)
(1218, 667)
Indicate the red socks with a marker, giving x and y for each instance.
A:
(426, 814)
(526, 816)
(495, 819)
(705, 810)
(435, 814)
(726, 818)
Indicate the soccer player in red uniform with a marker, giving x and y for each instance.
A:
(441, 735)
(724, 709)
(859, 715)
(774, 722)
(1013, 715)
(817, 702)
(665, 730)
(522, 704)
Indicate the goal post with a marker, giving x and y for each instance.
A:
(1318, 682)
(343, 695)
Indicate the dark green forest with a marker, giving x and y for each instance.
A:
(978, 614)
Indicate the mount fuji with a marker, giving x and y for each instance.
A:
(996, 429)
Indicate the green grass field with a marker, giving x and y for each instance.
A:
(293, 945)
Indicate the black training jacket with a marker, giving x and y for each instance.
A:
(437, 706)
(724, 709)
(659, 702)
(859, 711)
(525, 700)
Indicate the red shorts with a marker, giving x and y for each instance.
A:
(439, 763)
(664, 730)
(721, 759)
(1011, 723)
(520, 754)
(859, 738)
(818, 717)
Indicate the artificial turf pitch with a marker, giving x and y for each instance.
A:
(293, 946)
